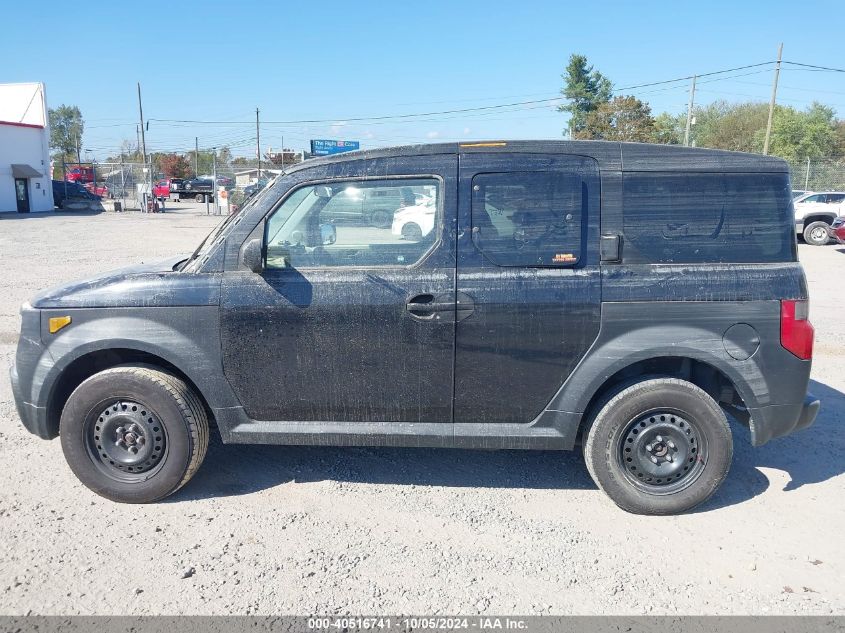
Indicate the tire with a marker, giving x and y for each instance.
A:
(412, 232)
(380, 219)
(667, 419)
(125, 404)
(816, 234)
(199, 198)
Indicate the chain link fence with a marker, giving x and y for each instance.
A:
(818, 174)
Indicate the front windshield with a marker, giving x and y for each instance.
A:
(219, 232)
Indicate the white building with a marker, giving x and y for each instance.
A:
(24, 149)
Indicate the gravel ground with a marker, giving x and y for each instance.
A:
(264, 530)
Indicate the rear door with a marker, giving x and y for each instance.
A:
(528, 281)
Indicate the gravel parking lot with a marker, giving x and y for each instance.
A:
(265, 529)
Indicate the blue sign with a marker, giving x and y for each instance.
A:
(323, 147)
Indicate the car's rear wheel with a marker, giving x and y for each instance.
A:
(134, 433)
(380, 219)
(200, 198)
(659, 446)
(412, 232)
(816, 234)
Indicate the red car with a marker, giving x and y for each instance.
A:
(80, 174)
(837, 230)
(161, 189)
(101, 190)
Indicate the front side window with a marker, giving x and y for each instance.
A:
(528, 218)
(390, 222)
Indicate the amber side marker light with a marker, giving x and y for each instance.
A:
(483, 144)
(57, 323)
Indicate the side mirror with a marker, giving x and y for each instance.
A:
(328, 234)
(252, 256)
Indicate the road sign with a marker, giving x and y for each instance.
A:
(324, 147)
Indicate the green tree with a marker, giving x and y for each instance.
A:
(669, 129)
(620, 119)
(799, 135)
(586, 89)
(730, 126)
(66, 127)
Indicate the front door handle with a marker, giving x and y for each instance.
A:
(428, 307)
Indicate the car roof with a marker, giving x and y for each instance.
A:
(610, 155)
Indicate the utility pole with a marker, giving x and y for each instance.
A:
(772, 102)
(258, 142)
(689, 111)
(141, 112)
(196, 156)
(137, 140)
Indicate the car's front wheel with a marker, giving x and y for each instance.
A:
(200, 197)
(134, 433)
(659, 446)
(816, 234)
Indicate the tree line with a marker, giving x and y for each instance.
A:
(595, 113)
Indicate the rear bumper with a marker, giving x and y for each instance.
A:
(778, 420)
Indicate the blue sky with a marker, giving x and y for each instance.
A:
(334, 61)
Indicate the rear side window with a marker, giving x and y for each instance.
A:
(528, 218)
(708, 218)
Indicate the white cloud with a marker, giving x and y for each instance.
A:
(433, 134)
(337, 126)
(467, 131)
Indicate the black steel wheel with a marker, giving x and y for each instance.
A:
(662, 452)
(134, 433)
(126, 440)
(658, 446)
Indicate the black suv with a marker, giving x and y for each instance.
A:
(620, 297)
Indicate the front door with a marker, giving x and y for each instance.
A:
(528, 263)
(22, 194)
(353, 318)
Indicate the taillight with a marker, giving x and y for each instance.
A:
(796, 332)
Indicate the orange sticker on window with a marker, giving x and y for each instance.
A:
(564, 258)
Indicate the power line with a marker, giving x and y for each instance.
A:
(825, 68)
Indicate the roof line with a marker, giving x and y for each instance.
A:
(16, 124)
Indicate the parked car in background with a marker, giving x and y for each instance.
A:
(100, 189)
(837, 230)
(374, 206)
(66, 191)
(161, 189)
(815, 212)
(79, 173)
(254, 188)
(797, 193)
(415, 222)
(197, 188)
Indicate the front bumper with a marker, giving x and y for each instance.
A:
(778, 420)
(34, 418)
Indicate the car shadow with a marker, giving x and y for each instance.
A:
(809, 456)
(47, 214)
(233, 470)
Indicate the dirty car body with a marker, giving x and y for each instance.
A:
(557, 276)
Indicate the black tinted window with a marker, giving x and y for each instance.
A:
(528, 218)
(700, 218)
